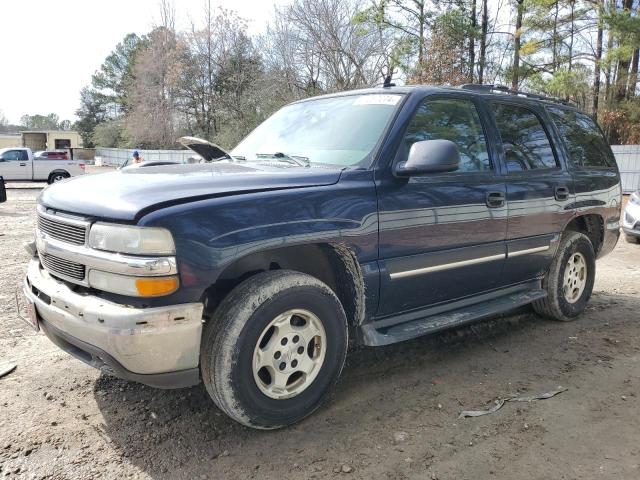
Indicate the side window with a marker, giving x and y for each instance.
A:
(11, 155)
(23, 155)
(584, 141)
(450, 119)
(525, 142)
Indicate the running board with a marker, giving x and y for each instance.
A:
(434, 323)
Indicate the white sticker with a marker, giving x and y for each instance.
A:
(376, 99)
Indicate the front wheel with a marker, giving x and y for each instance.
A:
(569, 282)
(274, 349)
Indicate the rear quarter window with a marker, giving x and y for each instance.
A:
(583, 139)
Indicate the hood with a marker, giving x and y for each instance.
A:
(126, 194)
(207, 150)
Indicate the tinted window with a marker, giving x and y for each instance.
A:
(525, 142)
(23, 155)
(582, 137)
(11, 155)
(450, 119)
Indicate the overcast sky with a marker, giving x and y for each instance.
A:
(50, 48)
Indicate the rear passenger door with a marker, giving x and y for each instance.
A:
(540, 190)
(593, 166)
(442, 234)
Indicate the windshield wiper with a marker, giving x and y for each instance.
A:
(297, 159)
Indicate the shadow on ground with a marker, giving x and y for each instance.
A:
(182, 433)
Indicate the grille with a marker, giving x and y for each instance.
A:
(62, 231)
(60, 266)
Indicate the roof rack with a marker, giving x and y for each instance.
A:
(504, 89)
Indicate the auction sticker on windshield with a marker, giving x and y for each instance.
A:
(377, 100)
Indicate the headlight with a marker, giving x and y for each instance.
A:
(133, 286)
(635, 198)
(129, 239)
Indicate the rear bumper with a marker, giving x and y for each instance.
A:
(156, 346)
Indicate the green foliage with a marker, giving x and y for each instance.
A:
(116, 74)
(44, 122)
(563, 83)
(92, 111)
(110, 134)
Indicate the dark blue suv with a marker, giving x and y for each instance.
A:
(378, 215)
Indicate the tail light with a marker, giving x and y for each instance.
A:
(82, 166)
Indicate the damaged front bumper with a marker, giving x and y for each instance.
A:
(157, 346)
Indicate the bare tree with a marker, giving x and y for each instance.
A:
(322, 49)
(153, 121)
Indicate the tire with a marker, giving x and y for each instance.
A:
(236, 337)
(632, 239)
(57, 177)
(566, 304)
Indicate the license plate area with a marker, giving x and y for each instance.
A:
(27, 310)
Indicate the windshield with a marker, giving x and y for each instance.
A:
(335, 131)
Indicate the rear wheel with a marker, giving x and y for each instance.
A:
(569, 282)
(58, 177)
(274, 349)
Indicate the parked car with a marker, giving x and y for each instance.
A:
(20, 164)
(631, 218)
(380, 214)
(51, 155)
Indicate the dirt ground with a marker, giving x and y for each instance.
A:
(394, 415)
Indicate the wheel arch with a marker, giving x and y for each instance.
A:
(56, 171)
(592, 225)
(335, 264)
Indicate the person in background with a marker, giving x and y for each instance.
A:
(136, 157)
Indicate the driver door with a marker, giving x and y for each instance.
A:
(14, 165)
(442, 235)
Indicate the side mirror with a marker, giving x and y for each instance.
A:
(3, 191)
(429, 156)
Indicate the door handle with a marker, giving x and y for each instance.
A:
(23, 164)
(495, 199)
(562, 193)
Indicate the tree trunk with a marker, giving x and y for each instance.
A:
(633, 76)
(622, 77)
(422, 20)
(571, 35)
(607, 72)
(596, 67)
(554, 39)
(515, 78)
(483, 41)
(472, 40)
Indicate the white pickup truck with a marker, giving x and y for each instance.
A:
(19, 164)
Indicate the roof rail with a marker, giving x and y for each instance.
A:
(504, 89)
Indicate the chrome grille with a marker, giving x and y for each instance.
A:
(60, 266)
(62, 231)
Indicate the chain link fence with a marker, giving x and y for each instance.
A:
(628, 160)
(119, 156)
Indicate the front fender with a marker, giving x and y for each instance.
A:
(214, 233)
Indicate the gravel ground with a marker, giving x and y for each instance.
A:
(394, 415)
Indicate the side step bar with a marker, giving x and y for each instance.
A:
(434, 323)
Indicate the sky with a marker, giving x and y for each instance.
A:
(50, 48)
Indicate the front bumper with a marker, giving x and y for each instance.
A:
(631, 219)
(157, 346)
